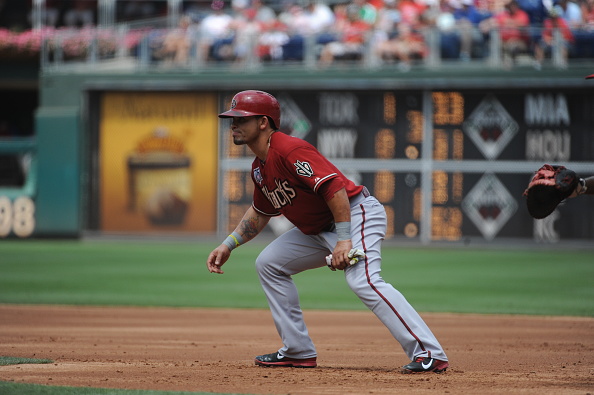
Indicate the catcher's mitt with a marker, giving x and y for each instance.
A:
(549, 186)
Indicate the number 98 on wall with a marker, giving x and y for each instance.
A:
(17, 216)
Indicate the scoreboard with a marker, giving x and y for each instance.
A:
(447, 165)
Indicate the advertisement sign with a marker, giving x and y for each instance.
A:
(158, 161)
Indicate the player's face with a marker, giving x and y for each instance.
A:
(245, 129)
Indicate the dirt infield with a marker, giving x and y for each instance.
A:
(212, 351)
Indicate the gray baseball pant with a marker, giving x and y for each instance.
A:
(294, 252)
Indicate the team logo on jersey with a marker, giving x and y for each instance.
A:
(303, 169)
(258, 175)
(280, 196)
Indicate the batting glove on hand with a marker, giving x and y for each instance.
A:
(355, 255)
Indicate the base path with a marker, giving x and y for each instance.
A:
(212, 350)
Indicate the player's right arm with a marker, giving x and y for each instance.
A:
(250, 226)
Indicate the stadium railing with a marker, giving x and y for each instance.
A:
(133, 46)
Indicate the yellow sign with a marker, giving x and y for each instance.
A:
(158, 162)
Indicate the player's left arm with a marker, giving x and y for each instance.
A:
(341, 211)
(250, 226)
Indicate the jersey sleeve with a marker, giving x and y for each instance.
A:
(330, 187)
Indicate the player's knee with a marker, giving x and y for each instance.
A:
(357, 286)
(365, 293)
(363, 289)
(263, 262)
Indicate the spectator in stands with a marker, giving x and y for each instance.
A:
(388, 16)
(571, 12)
(448, 31)
(246, 31)
(547, 41)
(216, 33)
(512, 24)
(312, 18)
(468, 18)
(583, 46)
(237, 9)
(367, 11)
(80, 13)
(295, 18)
(352, 32)
(271, 41)
(176, 44)
(319, 16)
(403, 47)
(264, 14)
(411, 12)
(536, 10)
(587, 8)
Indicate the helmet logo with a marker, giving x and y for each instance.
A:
(233, 104)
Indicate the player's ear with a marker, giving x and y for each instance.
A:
(263, 122)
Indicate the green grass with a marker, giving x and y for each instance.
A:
(4, 360)
(174, 274)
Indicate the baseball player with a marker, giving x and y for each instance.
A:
(337, 224)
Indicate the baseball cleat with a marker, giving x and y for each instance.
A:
(425, 364)
(276, 359)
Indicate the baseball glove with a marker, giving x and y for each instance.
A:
(549, 186)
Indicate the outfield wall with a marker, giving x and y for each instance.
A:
(449, 154)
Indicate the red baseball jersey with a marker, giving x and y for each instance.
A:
(294, 181)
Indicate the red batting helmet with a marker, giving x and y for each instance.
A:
(248, 103)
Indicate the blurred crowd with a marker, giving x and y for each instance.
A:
(389, 31)
(395, 31)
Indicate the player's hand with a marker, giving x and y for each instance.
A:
(217, 258)
(340, 258)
